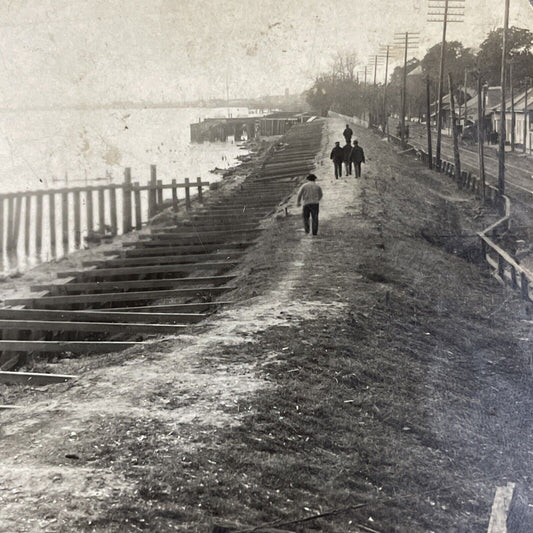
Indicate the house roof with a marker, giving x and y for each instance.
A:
(518, 102)
(494, 95)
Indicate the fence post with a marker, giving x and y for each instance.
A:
(52, 221)
(187, 194)
(27, 222)
(160, 193)
(501, 267)
(113, 210)
(138, 212)
(16, 228)
(39, 224)
(513, 277)
(10, 200)
(77, 218)
(64, 219)
(126, 201)
(151, 192)
(174, 196)
(89, 211)
(524, 286)
(1, 226)
(101, 210)
(200, 193)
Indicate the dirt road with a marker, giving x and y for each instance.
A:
(374, 369)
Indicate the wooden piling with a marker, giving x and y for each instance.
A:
(174, 196)
(52, 220)
(77, 219)
(126, 201)
(1, 226)
(113, 210)
(200, 193)
(524, 286)
(137, 199)
(152, 200)
(89, 211)
(160, 193)
(16, 228)
(187, 194)
(101, 210)
(39, 224)
(64, 220)
(9, 237)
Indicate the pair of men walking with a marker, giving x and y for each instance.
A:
(349, 155)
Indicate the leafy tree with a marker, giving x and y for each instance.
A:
(457, 58)
(519, 45)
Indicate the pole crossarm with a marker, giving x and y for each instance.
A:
(443, 11)
(405, 41)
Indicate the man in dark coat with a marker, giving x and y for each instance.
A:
(358, 157)
(337, 156)
(348, 132)
(348, 149)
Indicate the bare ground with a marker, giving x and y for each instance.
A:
(376, 364)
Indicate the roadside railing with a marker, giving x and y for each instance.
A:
(58, 218)
(506, 268)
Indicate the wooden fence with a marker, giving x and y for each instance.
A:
(104, 210)
(505, 267)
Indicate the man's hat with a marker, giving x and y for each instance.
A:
(311, 177)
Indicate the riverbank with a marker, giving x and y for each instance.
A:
(375, 369)
(17, 284)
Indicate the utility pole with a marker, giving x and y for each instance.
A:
(513, 116)
(377, 61)
(501, 153)
(385, 114)
(428, 123)
(384, 54)
(480, 134)
(466, 99)
(526, 115)
(456, 156)
(444, 11)
(404, 92)
(407, 41)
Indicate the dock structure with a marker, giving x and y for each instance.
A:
(219, 129)
(161, 284)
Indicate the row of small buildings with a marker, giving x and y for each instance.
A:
(491, 97)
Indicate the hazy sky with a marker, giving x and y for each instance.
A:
(68, 51)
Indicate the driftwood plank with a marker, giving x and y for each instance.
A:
(66, 346)
(106, 327)
(122, 271)
(164, 317)
(103, 298)
(32, 378)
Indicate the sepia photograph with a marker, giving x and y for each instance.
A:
(266, 266)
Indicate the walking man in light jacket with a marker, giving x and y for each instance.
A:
(310, 194)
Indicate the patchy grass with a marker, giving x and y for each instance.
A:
(389, 370)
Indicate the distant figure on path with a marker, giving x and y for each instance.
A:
(358, 157)
(337, 156)
(310, 194)
(347, 150)
(348, 132)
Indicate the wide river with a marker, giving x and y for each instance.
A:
(69, 148)
(49, 149)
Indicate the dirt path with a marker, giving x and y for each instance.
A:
(373, 361)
